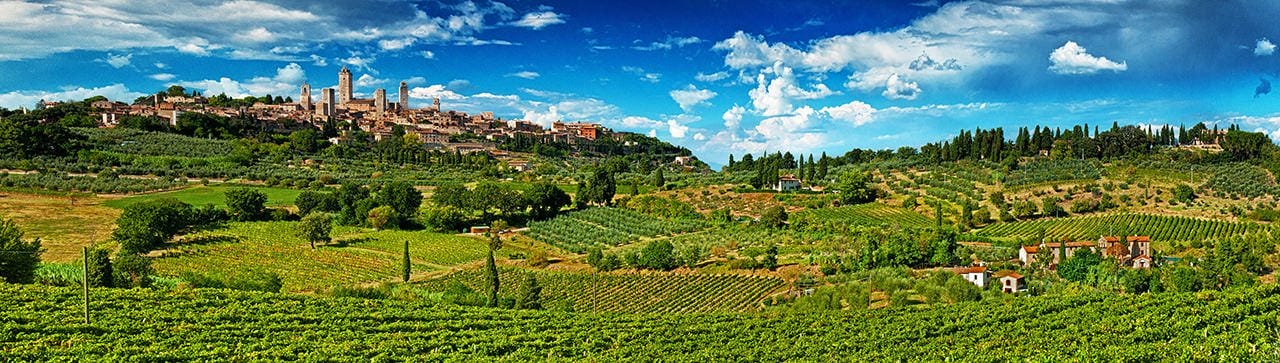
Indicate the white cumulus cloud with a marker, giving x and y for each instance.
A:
(856, 112)
(115, 92)
(118, 60)
(691, 96)
(1071, 58)
(524, 74)
(539, 20)
(1264, 47)
(285, 82)
(733, 117)
(896, 88)
(676, 129)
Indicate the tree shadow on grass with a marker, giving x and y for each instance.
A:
(347, 242)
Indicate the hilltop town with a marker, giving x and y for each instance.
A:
(435, 127)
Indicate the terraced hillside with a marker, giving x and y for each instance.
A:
(1160, 228)
(632, 292)
(604, 227)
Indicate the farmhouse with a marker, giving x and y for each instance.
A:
(1134, 252)
(787, 183)
(1028, 253)
(1011, 282)
(975, 274)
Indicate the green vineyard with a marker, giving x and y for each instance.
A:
(871, 214)
(604, 227)
(354, 258)
(1160, 228)
(655, 292)
(44, 324)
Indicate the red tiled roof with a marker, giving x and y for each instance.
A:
(969, 270)
(1052, 245)
(1007, 273)
(1128, 238)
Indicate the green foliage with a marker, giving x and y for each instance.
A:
(132, 271)
(1043, 171)
(770, 258)
(402, 198)
(315, 227)
(1077, 267)
(1244, 179)
(545, 200)
(855, 188)
(599, 189)
(870, 214)
(19, 258)
(1050, 208)
(1242, 145)
(631, 292)
(360, 255)
(774, 217)
(1160, 228)
(25, 136)
(350, 202)
(146, 225)
(247, 280)
(659, 178)
(1183, 193)
(247, 205)
(309, 201)
(1219, 326)
(658, 255)
(605, 227)
(661, 207)
(530, 294)
(443, 218)
(99, 268)
(379, 217)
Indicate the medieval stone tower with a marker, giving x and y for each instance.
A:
(305, 98)
(404, 96)
(344, 86)
(380, 101)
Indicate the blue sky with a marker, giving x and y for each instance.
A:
(717, 77)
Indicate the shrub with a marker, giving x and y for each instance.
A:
(246, 204)
(18, 258)
(99, 268)
(381, 216)
(132, 270)
(658, 255)
(773, 217)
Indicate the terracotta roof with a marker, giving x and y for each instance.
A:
(1007, 273)
(969, 270)
(1051, 245)
(1128, 238)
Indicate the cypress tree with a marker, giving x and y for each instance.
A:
(407, 266)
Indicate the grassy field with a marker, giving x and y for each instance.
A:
(63, 224)
(201, 195)
(356, 256)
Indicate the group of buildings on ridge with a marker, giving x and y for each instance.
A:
(1132, 251)
(432, 125)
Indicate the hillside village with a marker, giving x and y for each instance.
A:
(433, 126)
